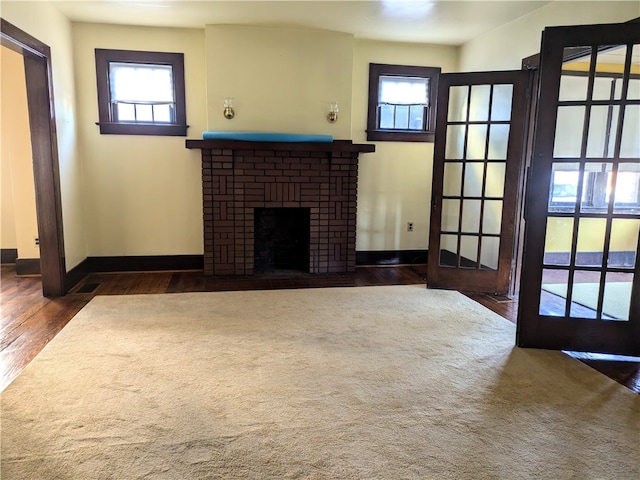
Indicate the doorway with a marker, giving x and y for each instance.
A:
(37, 65)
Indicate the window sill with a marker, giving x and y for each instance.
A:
(142, 129)
(400, 136)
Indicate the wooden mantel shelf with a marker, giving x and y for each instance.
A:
(335, 146)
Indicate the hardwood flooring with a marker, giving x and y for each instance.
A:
(29, 321)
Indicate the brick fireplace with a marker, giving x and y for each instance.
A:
(240, 177)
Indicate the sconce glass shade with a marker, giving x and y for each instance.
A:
(332, 116)
(228, 111)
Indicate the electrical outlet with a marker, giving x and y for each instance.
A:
(36, 241)
(409, 226)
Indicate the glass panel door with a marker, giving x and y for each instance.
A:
(477, 166)
(579, 284)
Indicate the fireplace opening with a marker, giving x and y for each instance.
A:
(281, 240)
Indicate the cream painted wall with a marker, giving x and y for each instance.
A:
(44, 22)
(504, 48)
(142, 194)
(281, 79)
(394, 183)
(7, 217)
(19, 222)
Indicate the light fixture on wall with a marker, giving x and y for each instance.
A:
(228, 111)
(332, 116)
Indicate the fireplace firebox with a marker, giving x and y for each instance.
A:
(281, 240)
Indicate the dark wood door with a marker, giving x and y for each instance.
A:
(477, 167)
(579, 287)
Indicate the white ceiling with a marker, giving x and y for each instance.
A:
(449, 22)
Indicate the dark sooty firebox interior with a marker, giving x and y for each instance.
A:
(281, 240)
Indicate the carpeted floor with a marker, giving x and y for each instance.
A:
(394, 382)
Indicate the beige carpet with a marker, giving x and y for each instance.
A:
(386, 383)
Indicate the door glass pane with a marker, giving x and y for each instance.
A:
(452, 182)
(468, 251)
(479, 107)
(450, 215)
(458, 103)
(564, 187)
(602, 131)
(630, 144)
(596, 187)
(448, 250)
(553, 293)
(473, 176)
(489, 251)
(609, 65)
(590, 245)
(471, 216)
(498, 142)
(585, 294)
(492, 217)
(624, 242)
(477, 142)
(455, 142)
(557, 245)
(633, 92)
(568, 139)
(604, 88)
(617, 296)
(627, 189)
(501, 103)
(573, 86)
(574, 80)
(495, 179)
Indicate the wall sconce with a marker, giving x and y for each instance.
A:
(332, 116)
(228, 111)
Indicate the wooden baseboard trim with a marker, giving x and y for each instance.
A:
(391, 257)
(152, 263)
(8, 255)
(27, 266)
(145, 263)
(76, 274)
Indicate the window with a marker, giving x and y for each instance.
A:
(402, 101)
(141, 93)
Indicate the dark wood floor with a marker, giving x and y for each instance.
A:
(29, 321)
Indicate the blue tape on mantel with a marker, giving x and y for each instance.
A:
(267, 137)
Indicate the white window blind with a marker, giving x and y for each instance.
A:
(141, 92)
(404, 90)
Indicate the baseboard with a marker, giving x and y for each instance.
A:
(77, 273)
(8, 255)
(145, 263)
(27, 266)
(391, 257)
(149, 263)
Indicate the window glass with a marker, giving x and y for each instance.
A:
(141, 93)
(401, 103)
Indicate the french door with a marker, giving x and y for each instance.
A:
(476, 177)
(580, 288)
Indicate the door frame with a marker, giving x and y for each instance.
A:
(44, 145)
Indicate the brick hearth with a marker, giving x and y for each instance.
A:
(238, 177)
